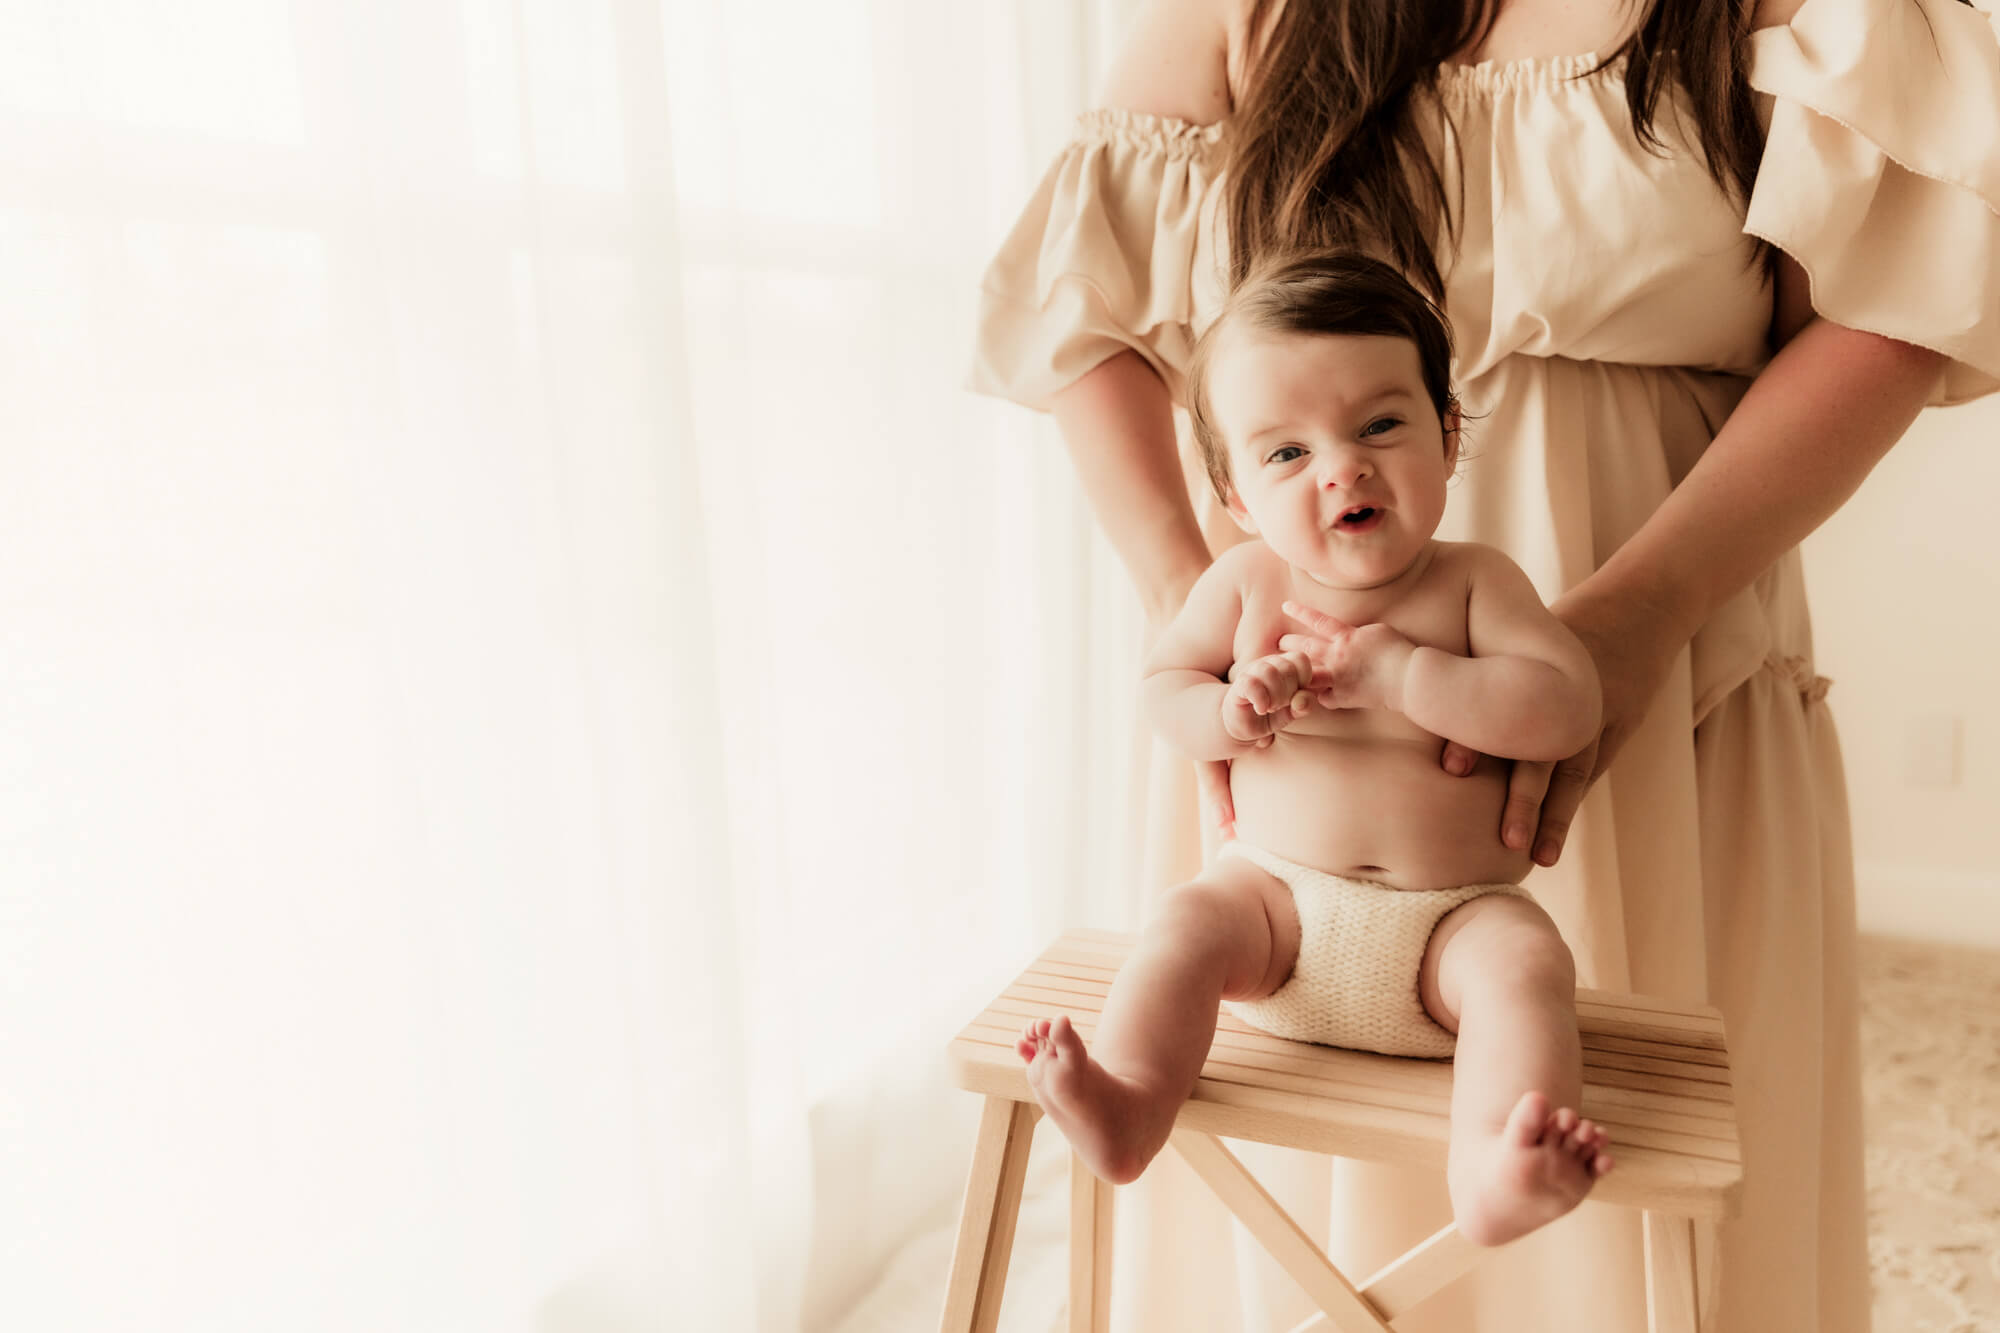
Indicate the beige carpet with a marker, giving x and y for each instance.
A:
(1930, 1044)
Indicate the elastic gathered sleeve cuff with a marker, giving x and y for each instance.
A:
(1101, 259)
(1881, 173)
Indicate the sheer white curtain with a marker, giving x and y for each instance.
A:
(534, 704)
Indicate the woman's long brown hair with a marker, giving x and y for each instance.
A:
(1324, 149)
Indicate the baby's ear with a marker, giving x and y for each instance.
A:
(1234, 504)
(1454, 433)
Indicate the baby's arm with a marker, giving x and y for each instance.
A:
(1184, 693)
(1529, 689)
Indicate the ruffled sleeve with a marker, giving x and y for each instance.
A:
(1103, 258)
(1881, 172)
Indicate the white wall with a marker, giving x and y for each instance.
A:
(1905, 585)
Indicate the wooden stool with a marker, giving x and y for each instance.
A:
(1656, 1075)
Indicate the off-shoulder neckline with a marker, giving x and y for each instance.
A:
(1485, 76)
(1583, 67)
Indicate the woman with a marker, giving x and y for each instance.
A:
(1700, 280)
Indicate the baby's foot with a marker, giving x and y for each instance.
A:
(1539, 1168)
(1113, 1123)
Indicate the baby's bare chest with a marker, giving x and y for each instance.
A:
(1431, 615)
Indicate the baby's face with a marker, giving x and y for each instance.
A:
(1338, 458)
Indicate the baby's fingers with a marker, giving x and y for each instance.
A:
(1257, 688)
(1246, 721)
(1319, 622)
(1317, 654)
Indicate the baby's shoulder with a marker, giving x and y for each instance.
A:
(1489, 583)
(1473, 562)
(1248, 564)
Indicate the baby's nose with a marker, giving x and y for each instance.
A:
(1344, 468)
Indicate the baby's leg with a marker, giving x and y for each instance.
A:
(1498, 974)
(1232, 933)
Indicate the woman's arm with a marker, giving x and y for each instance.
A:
(1117, 421)
(1816, 421)
(1118, 425)
(1177, 58)
(1802, 440)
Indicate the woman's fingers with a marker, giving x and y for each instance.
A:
(1527, 786)
(1211, 780)
(1459, 760)
(1566, 789)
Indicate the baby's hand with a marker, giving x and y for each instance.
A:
(1353, 666)
(1265, 696)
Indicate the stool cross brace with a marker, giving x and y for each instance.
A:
(1656, 1074)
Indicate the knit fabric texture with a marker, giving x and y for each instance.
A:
(1361, 950)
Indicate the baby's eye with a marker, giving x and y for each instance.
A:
(1285, 454)
(1387, 423)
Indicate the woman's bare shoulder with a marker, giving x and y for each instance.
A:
(1183, 58)
(1771, 13)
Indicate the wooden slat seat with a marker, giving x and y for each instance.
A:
(1656, 1075)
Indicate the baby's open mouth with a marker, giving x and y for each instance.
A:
(1359, 518)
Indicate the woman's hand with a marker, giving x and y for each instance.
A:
(1218, 808)
(1633, 644)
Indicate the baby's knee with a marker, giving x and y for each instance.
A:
(1539, 961)
(1199, 907)
(1523, 952)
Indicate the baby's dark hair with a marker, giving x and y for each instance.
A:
(1320, 292)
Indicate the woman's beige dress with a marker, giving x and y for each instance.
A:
(1607, 317)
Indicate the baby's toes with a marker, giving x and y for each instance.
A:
(1527, 1121)
(1063, 1038)
(1580, 1142)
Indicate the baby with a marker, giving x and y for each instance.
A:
(1368, 901)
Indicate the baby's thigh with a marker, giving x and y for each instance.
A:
(1493, 942)
(1246, 912)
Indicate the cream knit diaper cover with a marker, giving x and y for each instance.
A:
(1361, 953)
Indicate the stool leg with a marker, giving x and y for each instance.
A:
(986, 1224)
(1680, 1294)
(1090, 1214)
